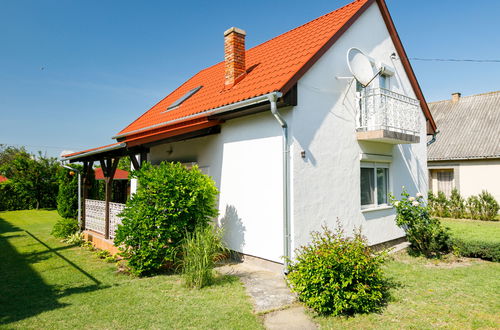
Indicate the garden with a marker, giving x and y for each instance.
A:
(170, 250)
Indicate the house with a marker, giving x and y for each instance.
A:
(466, 154)
(291, 140)
(2, 178)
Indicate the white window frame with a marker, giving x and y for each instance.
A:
(374, 166)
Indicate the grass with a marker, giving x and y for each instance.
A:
(458, 294)
(46, 284)
(474, 230)
(431, 294)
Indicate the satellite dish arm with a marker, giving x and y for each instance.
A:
(375, 76)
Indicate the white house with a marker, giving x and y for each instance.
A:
(290, 138)
(466, 154)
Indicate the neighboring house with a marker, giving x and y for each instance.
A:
(121, 184)
(466, 154)
(290, 142)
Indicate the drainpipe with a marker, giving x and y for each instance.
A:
(273, 98)
(431, 141)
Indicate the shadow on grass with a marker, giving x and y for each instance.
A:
(23, 292)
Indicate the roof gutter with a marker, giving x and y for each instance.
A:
(98, 151)
(225, 108)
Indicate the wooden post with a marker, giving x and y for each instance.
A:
(108, 168)
(87, 171)
(135, 163)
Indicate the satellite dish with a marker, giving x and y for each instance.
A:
(360, 66)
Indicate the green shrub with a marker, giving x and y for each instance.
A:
(65, 227)
(489, 206)
(74, 239)
(476, 249)
(200, 250)
(481, 207)
(442, 205)
(426, 234)
(456, 205)
(10, 200)
(170, 201)
(337, 275)
(67, 196)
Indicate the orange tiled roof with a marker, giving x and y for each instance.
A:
(273, 65)
(119, 174)
(89, 150)
(2, 178)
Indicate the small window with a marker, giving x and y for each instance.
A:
(445, 181)
(374, 184)
(184, 98)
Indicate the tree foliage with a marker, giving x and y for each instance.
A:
(170, 202)
(32, 179)
(67, 196)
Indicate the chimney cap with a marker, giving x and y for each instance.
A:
(235, 29)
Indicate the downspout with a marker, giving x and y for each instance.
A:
(431, 141)
(273, 98)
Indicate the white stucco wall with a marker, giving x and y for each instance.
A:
(326, 184)
(245, 162)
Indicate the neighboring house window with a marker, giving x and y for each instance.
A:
(445, 181)
(374, 184)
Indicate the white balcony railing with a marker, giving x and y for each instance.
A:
(382, 109)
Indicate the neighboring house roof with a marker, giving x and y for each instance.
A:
(2, 178)
(119, 174)
(469, 128)
(275, 65)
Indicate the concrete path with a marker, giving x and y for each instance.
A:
(271, 297)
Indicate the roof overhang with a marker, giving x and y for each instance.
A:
(119, 149)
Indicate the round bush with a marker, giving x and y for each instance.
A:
(339, 275)
(170, 202)
(65, 227)
(426, 234)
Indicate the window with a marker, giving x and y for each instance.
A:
(445, 181)
(184, 98)
(374, 184)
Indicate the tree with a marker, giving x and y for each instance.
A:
(33, 178)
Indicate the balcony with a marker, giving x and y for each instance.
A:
(388, 117)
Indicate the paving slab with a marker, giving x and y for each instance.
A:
(271, 297)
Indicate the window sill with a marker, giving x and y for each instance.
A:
(377, 208)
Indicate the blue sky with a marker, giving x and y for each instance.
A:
(74, 73)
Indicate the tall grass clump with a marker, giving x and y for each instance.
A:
(201, 249)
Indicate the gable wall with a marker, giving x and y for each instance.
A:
(326, 184)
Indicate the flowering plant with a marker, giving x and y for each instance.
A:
(425, 234)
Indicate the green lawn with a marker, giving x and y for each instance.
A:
(45, 284)
(438, 294)
(474, 230)
(431, 294)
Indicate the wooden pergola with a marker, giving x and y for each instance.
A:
(108, 157)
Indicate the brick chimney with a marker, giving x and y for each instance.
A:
(455, 97)
(234, 55)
